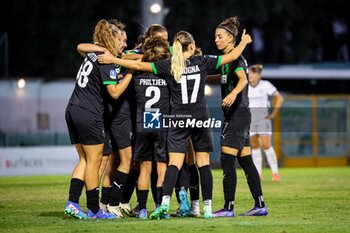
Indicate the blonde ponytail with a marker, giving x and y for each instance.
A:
(178, 62)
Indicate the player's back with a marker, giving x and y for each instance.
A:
(151, 94)
(188, 93)
(89, 92)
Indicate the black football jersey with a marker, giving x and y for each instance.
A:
(119, 109)
(151, 94)
(229, 80)
(188, 94)
(89, 92)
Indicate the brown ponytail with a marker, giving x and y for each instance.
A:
(104, 35)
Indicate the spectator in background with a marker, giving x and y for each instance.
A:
(260, 129)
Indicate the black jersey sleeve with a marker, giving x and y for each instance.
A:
(161, 67)
(212, 61)
(108, 74)
(240, 64)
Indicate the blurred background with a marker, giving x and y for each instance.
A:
(303, 44)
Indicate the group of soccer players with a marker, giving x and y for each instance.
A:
(105, 116)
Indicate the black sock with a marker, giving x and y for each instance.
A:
(92, 200)
(105, 195)
(154, 179)
(184, 177)
(253, 179)
(117, 188)
(159, 195)
(183, 180)
(229, 180)
(194, 182)
(130, 185)
(170, 180)
(142, 196)
(75, 189)
(206, 182)
(177, 190)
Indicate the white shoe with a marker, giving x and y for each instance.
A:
(195, 211)
(126, 208)
(208, 214)
(103, 207)
(116, 211)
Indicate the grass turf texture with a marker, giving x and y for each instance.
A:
(305, 200)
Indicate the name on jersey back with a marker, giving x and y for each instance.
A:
(152, 82)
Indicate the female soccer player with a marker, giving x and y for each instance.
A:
(152, 97)
(86, 123)
(259, 92)
(120, 130)
(235, 132)
(185, 75)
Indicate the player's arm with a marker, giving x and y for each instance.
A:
(278, 101)
(115, 90)
(85, 48)
(132, 56)
(242, 82)
(129, 64)
(237, 51)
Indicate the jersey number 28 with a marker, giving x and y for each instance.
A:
(84, 71)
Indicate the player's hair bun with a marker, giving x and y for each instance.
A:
(232, 20)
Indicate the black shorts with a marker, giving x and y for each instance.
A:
(121, 133)
(202, 138)
(150, 147)
(85, 127)
(179, 138)
(108, 148)
(235, 131)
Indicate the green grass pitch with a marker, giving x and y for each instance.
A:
(305, 200)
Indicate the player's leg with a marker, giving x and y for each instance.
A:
(253, 180)
(107, 180)
(143, 187)
(107, 150)
(229, 181)
(93, 162)
(103, 172)
(160, 158)
(194, 182)
(270, 156)
(181, 188)
(175, 163)
(154, 178)
(161, 169)
(130, 185)
(256, 153)
(76, 186)
(177, 143)
(230, 140)
(203, 163)
(119, 179)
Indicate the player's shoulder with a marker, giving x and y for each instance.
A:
(92, 56)
(264, 82)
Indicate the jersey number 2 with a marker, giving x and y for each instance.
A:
(155, 98)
